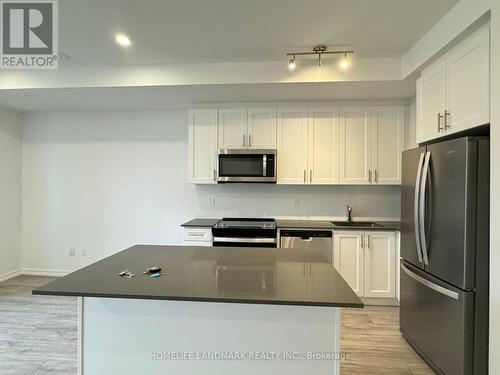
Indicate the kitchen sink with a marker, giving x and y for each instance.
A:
(363, 224)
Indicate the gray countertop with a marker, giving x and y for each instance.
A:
(306, 224)
(216, 274)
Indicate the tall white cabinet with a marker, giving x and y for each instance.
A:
(202, 146)
(453, 94)
(292, 146)
(367, 261)
(387, 144)
(355, 145)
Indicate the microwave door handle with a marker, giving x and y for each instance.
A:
(264, 165)
(416, 217)
(423, 189)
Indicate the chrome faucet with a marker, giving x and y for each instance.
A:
(349, 214)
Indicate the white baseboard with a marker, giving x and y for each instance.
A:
(45, 272)
(10, 275)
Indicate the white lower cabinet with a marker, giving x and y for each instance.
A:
(366, 261)
(197, 236)
(380, 264)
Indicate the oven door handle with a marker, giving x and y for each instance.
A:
(244, 240)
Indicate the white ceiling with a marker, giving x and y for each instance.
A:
(168, 97)
(239, 30)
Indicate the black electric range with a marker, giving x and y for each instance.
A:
(247, 232)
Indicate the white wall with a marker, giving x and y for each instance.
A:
(495, 189)
(10, 192)
(108, 180)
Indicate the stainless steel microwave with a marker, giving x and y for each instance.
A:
(244, 165)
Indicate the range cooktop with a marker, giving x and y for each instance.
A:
(246, 223)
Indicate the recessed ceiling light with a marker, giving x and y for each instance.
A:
(123, 40)
(75, 94)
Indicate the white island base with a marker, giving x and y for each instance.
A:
(133, 336)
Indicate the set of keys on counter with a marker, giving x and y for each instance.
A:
(153, 272)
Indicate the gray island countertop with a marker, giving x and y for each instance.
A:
(215, 274)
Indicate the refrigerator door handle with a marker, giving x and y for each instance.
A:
(416, 207)
(429, 284)
(423, 188)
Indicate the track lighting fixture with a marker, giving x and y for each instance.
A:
(319, 51)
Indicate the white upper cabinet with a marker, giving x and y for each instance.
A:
(247, 128)
(380, 264)
(323, 146)
(355, 145)
(292, 146)
(467, 83)
(232, 128)
(453, 93)
(431, 88)
(387, 144)
(261, 132)
(202, 158)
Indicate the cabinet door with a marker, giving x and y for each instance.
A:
(468, 83)
(348, 258)
(380, 264)
(262, 128)
(355, 145)
(202, 158)
(431, 103)
(233, 128)
(387, 144)
(323, 146)
(292, 146)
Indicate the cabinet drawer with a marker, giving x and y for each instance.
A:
(198, 234)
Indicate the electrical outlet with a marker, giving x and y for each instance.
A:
(83, 251)
(72, 252)
(211, 201)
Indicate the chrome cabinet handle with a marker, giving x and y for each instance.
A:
(440, 116)
(370, 176)
(244, 140)
(446, 118)
(215, 175)
(375, 176)
(310, 176)
(368, 240)
(362, 241)
(249, 140)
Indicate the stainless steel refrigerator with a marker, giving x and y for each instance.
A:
(445, 254)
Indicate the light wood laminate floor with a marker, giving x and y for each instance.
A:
(38, 335)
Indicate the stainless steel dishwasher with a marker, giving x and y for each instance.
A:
(314, 239)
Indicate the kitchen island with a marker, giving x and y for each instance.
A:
(212, 311)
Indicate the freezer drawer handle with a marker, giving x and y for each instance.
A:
(427, 283)
(416, 207)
